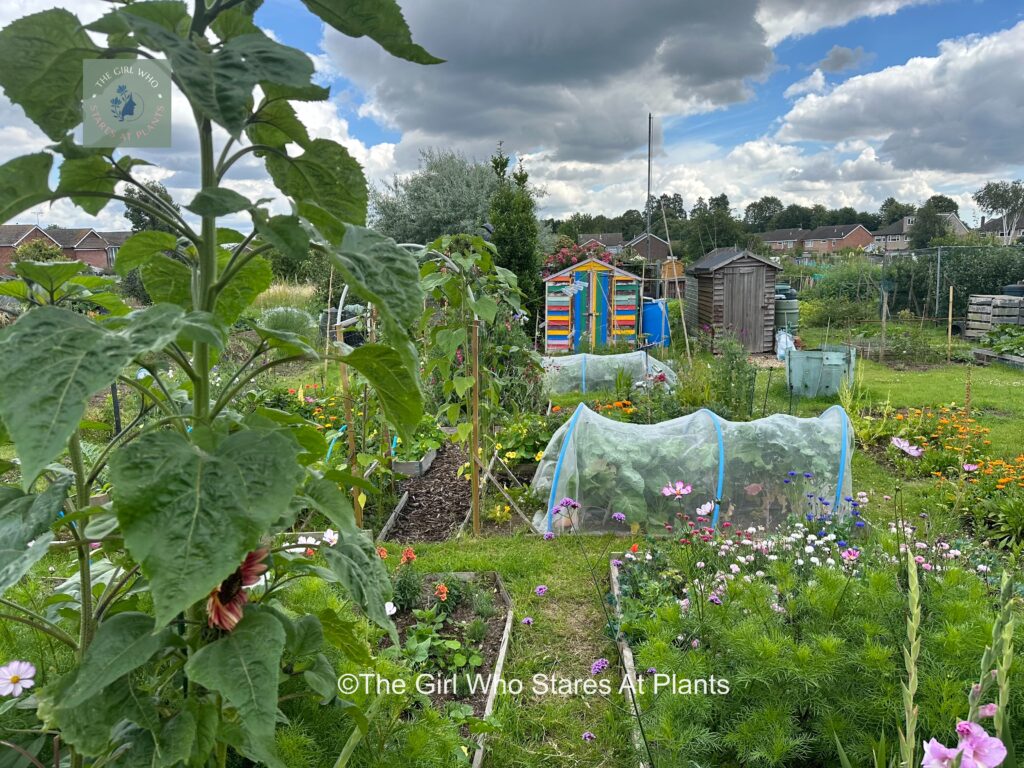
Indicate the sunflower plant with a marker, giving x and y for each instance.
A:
(172, 619)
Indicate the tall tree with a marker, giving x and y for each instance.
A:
(892, 210)
(513, 216)
(576, 225)
(792, 217)
(758, 215)
(711, 225)
(1004, 199)
(928, 225)
(943, 204)
(447, 195)
(154, 194)
(632, 223)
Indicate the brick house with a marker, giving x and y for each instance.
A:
(85, 244)
(896, 236)
(784, 240)
(659, 247)
(834, 238)
(612, 242)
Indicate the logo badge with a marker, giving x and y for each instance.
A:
(126, 103)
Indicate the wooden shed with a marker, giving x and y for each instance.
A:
(733, 291)
(588, 305)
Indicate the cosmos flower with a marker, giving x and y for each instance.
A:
(678, 490)
(907, 447)
(330, 537)
(16, 677)
(390, 608)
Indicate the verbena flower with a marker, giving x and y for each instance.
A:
(618, 517)
(541, 590)
(527, 620)
(588, 736)
(549, 535)
(599, 666)
(16, 677)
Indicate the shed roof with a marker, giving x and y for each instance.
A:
(572, 268)
(721, 257)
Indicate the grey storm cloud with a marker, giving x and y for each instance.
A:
(574, 76)
(840, 58)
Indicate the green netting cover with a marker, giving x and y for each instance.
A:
(594, 373)
(753, 473)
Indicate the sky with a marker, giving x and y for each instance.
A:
(842, 102)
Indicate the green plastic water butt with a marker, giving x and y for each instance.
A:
(820, 372)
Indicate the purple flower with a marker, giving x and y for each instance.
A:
(618, 517)
(541, 590)
(599, 666)
(715, 599)
(568, 503)
(588, 736)
(906, 447)
(617, 563)
(528, 621)
(548, 535)
(652, 670)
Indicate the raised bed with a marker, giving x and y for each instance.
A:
(986, 356)
(625, 652)
(415, 468)
(433, 505)
(483, 705)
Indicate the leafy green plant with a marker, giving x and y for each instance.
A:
(476, 631)
(732, 380)
(288, 320)
(407, 587)
(428, 437)
(483, 605)
(1006, 339)
(179, 641)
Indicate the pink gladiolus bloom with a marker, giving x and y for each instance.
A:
(937, 755)
(978, 748)
(906, 447)
(988, 710)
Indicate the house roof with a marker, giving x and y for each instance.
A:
(606, 239)
(116, 238)
(721, 257)
(834, 232)
(12, 234)
(995, 224)
(573, 267)
(901, 227)
(69, 238)
(643, 236)
(783, 235)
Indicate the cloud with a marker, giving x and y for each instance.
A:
(813, 83)
(840, 58)
(797, 18)
(960, 110)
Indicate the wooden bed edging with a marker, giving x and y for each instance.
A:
(625, 653)
(394, 517)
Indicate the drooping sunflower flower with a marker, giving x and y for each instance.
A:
(227, 602)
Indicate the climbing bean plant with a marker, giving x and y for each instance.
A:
(178, 640)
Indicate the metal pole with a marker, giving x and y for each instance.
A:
(475, 440)
(650, 140)
(949, 327)
(938, 277)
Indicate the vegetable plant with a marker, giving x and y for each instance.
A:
(172, 616)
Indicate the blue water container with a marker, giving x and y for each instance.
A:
(654, 323)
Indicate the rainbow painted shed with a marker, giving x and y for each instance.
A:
(588, 305)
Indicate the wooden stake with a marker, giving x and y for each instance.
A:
(475, 438)
(327, 336)
(679, 296)
(350, 432)
(949, 327)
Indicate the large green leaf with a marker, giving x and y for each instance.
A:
(25, 529)
(87, 174)
(394, 382)
(341, 633)
(76, 357)
(380, 20)
(383, 274)
(285, 233)
(325, 174)
(218, 201)
(190, 516)
(24, 182)
(248, 283)
(220, 83)
(48, 275)
(276, 125)
(41, 69)
(244, 667)
(140, 248)
(355, 561)
(167, 280)
(122, 644)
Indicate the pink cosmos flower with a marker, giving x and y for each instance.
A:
(15, 677)
(907, 447)
(850, 554)
(970, 467)
(678, 490)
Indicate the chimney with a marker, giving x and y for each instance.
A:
(983, 221)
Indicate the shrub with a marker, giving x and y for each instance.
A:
(732, 380)
(836, 312)
(407, 588)
(288, 320)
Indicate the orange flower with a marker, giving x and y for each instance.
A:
(382, 553)
(407, 555)
(556, 408)
(634, 549)
(441, 592)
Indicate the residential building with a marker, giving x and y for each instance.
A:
(897, 236)
(784, 240)
(612, 242)
(835, 238)
(995, 226)
(94, 248)
(659, 247)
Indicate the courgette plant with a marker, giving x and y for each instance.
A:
(187, 670)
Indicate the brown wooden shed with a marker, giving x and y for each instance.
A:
(733, 291)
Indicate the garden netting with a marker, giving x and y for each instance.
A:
(595, 373)
(699, 469)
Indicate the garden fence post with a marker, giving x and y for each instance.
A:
(350, 432)
(949, 327)
(475, 440)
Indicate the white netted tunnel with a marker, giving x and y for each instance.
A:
(595, 373)
(753, 473)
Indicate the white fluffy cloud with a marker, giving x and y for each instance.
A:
(798, 18)
(813, 83)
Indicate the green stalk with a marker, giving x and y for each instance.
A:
(87, 627)
(357, 735)
(204, 296)
(911, 652)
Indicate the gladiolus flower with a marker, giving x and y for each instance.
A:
(441, 592)
(408, 555)
(988, 710)
(382, 553)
